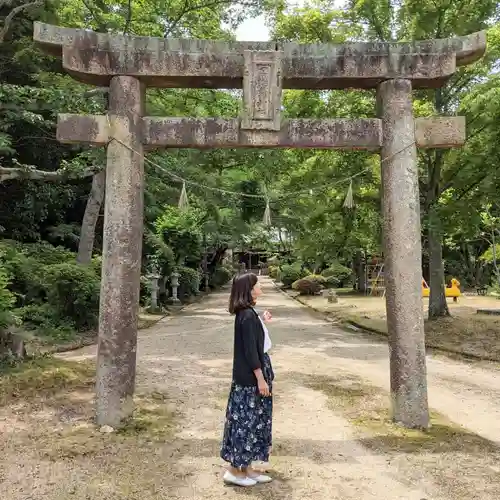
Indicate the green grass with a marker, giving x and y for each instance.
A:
(43, 375)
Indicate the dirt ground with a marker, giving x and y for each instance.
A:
(465, 332)
(374, 306)
(332, 439)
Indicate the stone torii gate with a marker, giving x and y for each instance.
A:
(129, 64)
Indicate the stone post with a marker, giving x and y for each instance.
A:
(175, 285)
(403, 255)
(122, 247)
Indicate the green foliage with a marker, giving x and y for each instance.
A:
(273, 272)
(7, 300)
(221, 276)
(43, 252)
(181, 231)
(289, 273)
(274, 260)
(251, 208)
(189, 281)
(53, 294)
(73, 293)
(493, 253)
(310, 285)
(25, 272)
(336, 274)
(459, 187)
(44, 318)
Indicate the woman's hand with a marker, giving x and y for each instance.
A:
(267, 316)
(263, 388)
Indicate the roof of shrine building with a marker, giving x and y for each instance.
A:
(95, 58)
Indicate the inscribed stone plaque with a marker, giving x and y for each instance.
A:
(262, 85)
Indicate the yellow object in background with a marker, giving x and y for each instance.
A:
(450, 291)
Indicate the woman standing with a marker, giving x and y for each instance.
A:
(248, 429)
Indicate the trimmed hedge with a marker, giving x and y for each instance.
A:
(290, 273)
(336, 275)
(310, 285)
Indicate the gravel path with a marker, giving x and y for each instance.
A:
(316, 456)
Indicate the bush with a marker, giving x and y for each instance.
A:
(273, 261)
(289, 273)
(47, 254)
(220, 276)
(53, 294)
(273, 272)
(24, 273)
(7, 300)
(332, 282)
(45, 320)
(309, 285)
(73, 293)
(189, 282)
(336, 274)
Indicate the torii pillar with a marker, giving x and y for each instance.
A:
(121, 253)
(127, 64)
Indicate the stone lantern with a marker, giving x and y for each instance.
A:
(175, 286)
(154, 277)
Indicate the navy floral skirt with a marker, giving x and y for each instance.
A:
(249, 419)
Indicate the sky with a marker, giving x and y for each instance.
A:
(253, 30)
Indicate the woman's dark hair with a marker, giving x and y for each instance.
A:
(241, 292)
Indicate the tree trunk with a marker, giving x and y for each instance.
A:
(92, 211)
(494, 250)
(11, 344)
(437, 299)
(438, 307)
(359, 269)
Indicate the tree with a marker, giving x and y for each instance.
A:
(390, 21)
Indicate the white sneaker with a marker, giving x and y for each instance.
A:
(262, 478)
(239, 480)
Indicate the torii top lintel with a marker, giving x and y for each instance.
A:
(95, 58)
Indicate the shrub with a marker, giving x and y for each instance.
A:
(47, 254)
(309, 285)
(189, 281)
(7, 300)
(332, 282)
(273, 261)
(289, 273)
(26, 264)
(273, 272)
(337, 274)
(45, 320)
(53, 294)
(220, 276)
(73, 293)
(24, 273)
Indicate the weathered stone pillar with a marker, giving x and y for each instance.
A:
(154, 277)
(122, 247)
(403, 255)
(175, 287)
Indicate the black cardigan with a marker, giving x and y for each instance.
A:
(248, 347)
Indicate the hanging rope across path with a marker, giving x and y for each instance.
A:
(248, 195)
